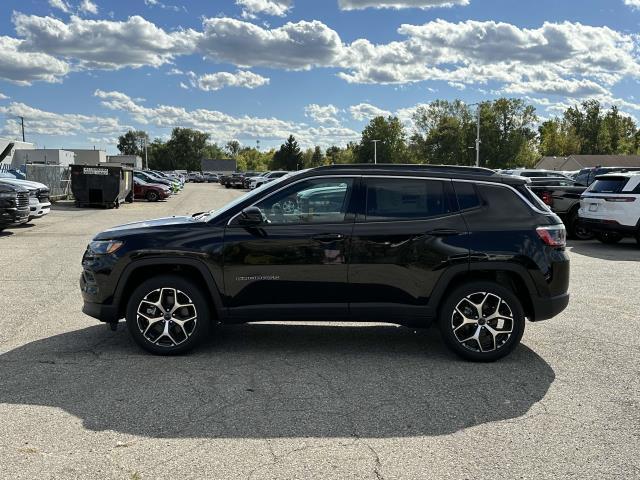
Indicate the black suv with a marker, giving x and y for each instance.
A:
(472, 250)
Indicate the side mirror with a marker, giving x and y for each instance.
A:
(251, 217)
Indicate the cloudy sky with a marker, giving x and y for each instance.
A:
(83, 71)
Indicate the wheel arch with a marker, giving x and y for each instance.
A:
(191, 269)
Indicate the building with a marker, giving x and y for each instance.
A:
(8, 149)
(577, 162)
(217, 166)
(89, 157)
(44, 156)
(134, 161)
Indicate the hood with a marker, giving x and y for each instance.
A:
(21, 183)
(158, 222)
(30, 184)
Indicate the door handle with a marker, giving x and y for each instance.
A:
(328, 237)
(443, 232)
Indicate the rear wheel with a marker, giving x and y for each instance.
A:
(576, 230)
(482, 321)
(609, 238)
(168, 315)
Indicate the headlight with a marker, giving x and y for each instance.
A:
(9, 195)
(104, 247)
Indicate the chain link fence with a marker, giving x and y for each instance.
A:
(56, 177)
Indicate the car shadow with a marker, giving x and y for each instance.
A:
(627, 250)
(273, 380)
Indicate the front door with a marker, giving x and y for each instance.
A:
(294, 265)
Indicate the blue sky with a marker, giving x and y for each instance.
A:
(83, 71)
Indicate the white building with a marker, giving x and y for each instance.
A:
(45, 156)
(134, 161)
(89, 157)
(8, 149)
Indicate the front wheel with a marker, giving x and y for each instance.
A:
(152, 196)
(482, 321)
(609, 238)
(168, 315)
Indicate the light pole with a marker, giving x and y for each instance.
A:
(375, 151)
(478, 141)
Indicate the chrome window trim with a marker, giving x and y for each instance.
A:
(409, 177)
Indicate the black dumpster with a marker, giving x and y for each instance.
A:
(105, 185)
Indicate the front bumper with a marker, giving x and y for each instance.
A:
(545, 308)
(10, 217)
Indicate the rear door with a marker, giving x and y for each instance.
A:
(408, 232)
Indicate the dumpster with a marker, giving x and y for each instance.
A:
(101, 185)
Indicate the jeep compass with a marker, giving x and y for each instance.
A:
(465, 248)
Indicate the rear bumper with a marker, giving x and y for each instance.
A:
(608, 226)
(545, 308)
(104, 313)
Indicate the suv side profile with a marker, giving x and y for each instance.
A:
(471, 250)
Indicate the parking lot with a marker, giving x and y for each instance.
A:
(288, 400)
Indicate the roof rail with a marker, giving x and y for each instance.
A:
(410, 166)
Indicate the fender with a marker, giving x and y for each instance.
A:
(445, 280)
(212, 287)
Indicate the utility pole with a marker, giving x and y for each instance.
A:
(146, 157)
(375, 151)
(22, 123)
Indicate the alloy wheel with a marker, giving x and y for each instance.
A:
(166, 317)
(482, 322)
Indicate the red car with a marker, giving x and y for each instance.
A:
(151, 191)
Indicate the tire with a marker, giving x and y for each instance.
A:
(163, 335)
(459, 321)
(226, 185)
(575, 230)
(152, 196)
(608, 238)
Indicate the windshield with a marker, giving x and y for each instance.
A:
(250, 194)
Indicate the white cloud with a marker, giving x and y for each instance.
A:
(26, 67)
(60, 5)
(276, 8)
(242, 78)
(324, 114)
(103, 43)
(562, 87)
(293, 46)
(633, 3)
(184, 86)
(87, 6)
(224, 127)
(3, 96)
(398, 4)
(366, 111)
(41, 122)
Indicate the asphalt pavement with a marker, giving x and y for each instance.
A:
(307, 401)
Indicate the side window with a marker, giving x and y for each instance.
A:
(310, 201)
(400, 199)
(504, 204)
(467, 195)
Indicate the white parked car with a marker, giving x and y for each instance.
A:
(266, 178)
(610, 207)
(39, 203)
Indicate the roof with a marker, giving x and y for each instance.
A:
(588, 161)
(437, 171)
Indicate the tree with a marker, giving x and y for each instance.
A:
(233, 147)
(317, 158)
(289, 156)
(132, 142)
(391, 148)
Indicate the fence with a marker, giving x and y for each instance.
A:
(56, 177)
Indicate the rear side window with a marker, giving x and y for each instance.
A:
(504, 204)
(610, 185)
(467, 195)
(405, 199)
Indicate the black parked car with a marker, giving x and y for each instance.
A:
(14, 205)
(472, 250)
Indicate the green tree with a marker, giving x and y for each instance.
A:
(317, 159)
(289, 156)
(132, 142)
(392, 146)
(233, 147)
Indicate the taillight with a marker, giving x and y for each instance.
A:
(547, 198)
(553, 235)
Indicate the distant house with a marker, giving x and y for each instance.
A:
(134, 161)
(577, 162)
(89, 157)
(217, 166)
(43, 156)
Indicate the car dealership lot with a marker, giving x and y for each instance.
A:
(307, 401)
